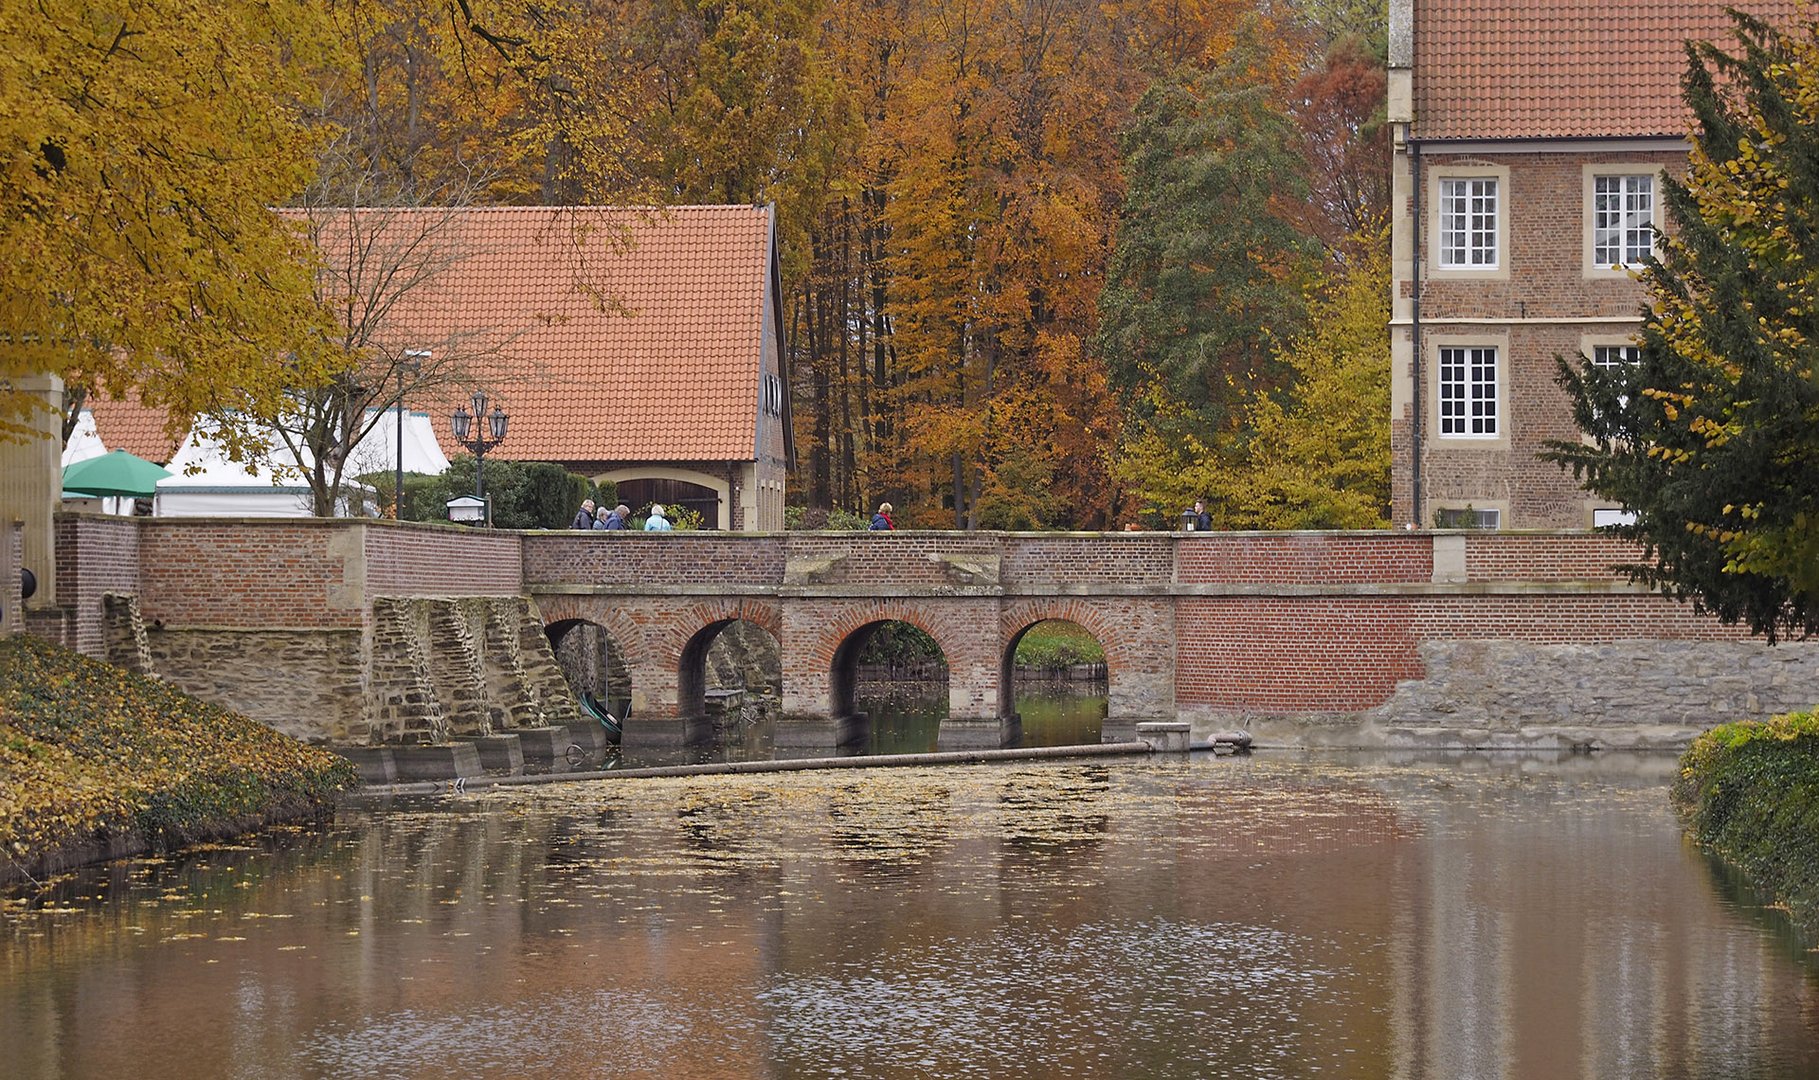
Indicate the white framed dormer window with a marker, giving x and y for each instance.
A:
(1469, 211)
(1622, 204)
(1469, 222)
(1469, 400)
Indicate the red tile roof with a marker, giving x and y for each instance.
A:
(128, 425)
(1499, 69)
(617, 335)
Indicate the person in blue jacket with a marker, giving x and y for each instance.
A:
(881, 521)
(656, 522)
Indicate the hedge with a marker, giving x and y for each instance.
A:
(1750, 792)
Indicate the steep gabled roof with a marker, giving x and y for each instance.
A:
(1521, 69)
(127, 424)
(616, 334)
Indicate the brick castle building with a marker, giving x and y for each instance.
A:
(1529, 141)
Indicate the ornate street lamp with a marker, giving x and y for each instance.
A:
(412, 364)
(482, 441)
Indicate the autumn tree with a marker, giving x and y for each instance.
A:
(145, 143)
(1208, 268)
(1317, 455)
(1712, 437)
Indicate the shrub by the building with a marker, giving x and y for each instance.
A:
(1750, 792)
(96, 762)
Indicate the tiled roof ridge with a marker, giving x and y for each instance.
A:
(1563, 69)
(626, 208)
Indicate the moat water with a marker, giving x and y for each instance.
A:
(1281, 915)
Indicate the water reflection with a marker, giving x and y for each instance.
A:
(1282, 916)
(904, 717)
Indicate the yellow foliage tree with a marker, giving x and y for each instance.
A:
(144, 144)
(1319, 457)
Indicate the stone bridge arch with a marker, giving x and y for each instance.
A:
(680, 644)
(1137, 634)
(823, 637)
(565, 615)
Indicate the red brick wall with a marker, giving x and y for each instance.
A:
(1491, 556)
(251, 573)
(1129, 558)
(441, 560)
(1304, 558)
(1292, 654)
(96, 554)
(629, 558)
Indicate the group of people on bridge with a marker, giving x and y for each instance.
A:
(619, 517)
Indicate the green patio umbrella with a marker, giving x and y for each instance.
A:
(115, 473)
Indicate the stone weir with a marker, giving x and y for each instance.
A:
(413, 651)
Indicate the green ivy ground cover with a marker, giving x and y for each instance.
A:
(92, 756)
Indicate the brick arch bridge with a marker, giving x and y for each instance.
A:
(822, 618)
(376, 632)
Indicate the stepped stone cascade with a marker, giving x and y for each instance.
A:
(455, 668)
(542, 673)
(515, 701)
(402, 704)
(123, 631)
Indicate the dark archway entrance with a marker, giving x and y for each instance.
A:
(697, 498)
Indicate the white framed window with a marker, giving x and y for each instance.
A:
(1470, 213)
(1604, 518)
(1467, 517)
(1623, 220)
(1610, 356)
(1468, 392)
(773, 394)
(1615, 356)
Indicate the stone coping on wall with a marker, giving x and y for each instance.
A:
(1050, 588)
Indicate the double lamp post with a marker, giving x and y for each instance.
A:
(479, 439)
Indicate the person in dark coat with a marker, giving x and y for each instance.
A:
(881, 521)
(620, 518)
(1199, 520)
(584, 517)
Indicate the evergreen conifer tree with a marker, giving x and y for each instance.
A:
(1712, 437)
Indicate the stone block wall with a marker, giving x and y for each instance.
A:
(308, 684)
(12, 556)
(126, 644)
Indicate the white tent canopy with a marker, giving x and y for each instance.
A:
(378, 452)
(84, 442)
(206, 483)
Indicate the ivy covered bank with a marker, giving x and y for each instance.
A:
(1750, 792)
(97, 762)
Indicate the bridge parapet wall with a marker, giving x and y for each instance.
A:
(1085, 559)
(1304, 558)
(1496, 556)
(635, 558)
(250, 573)
(411, 559)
